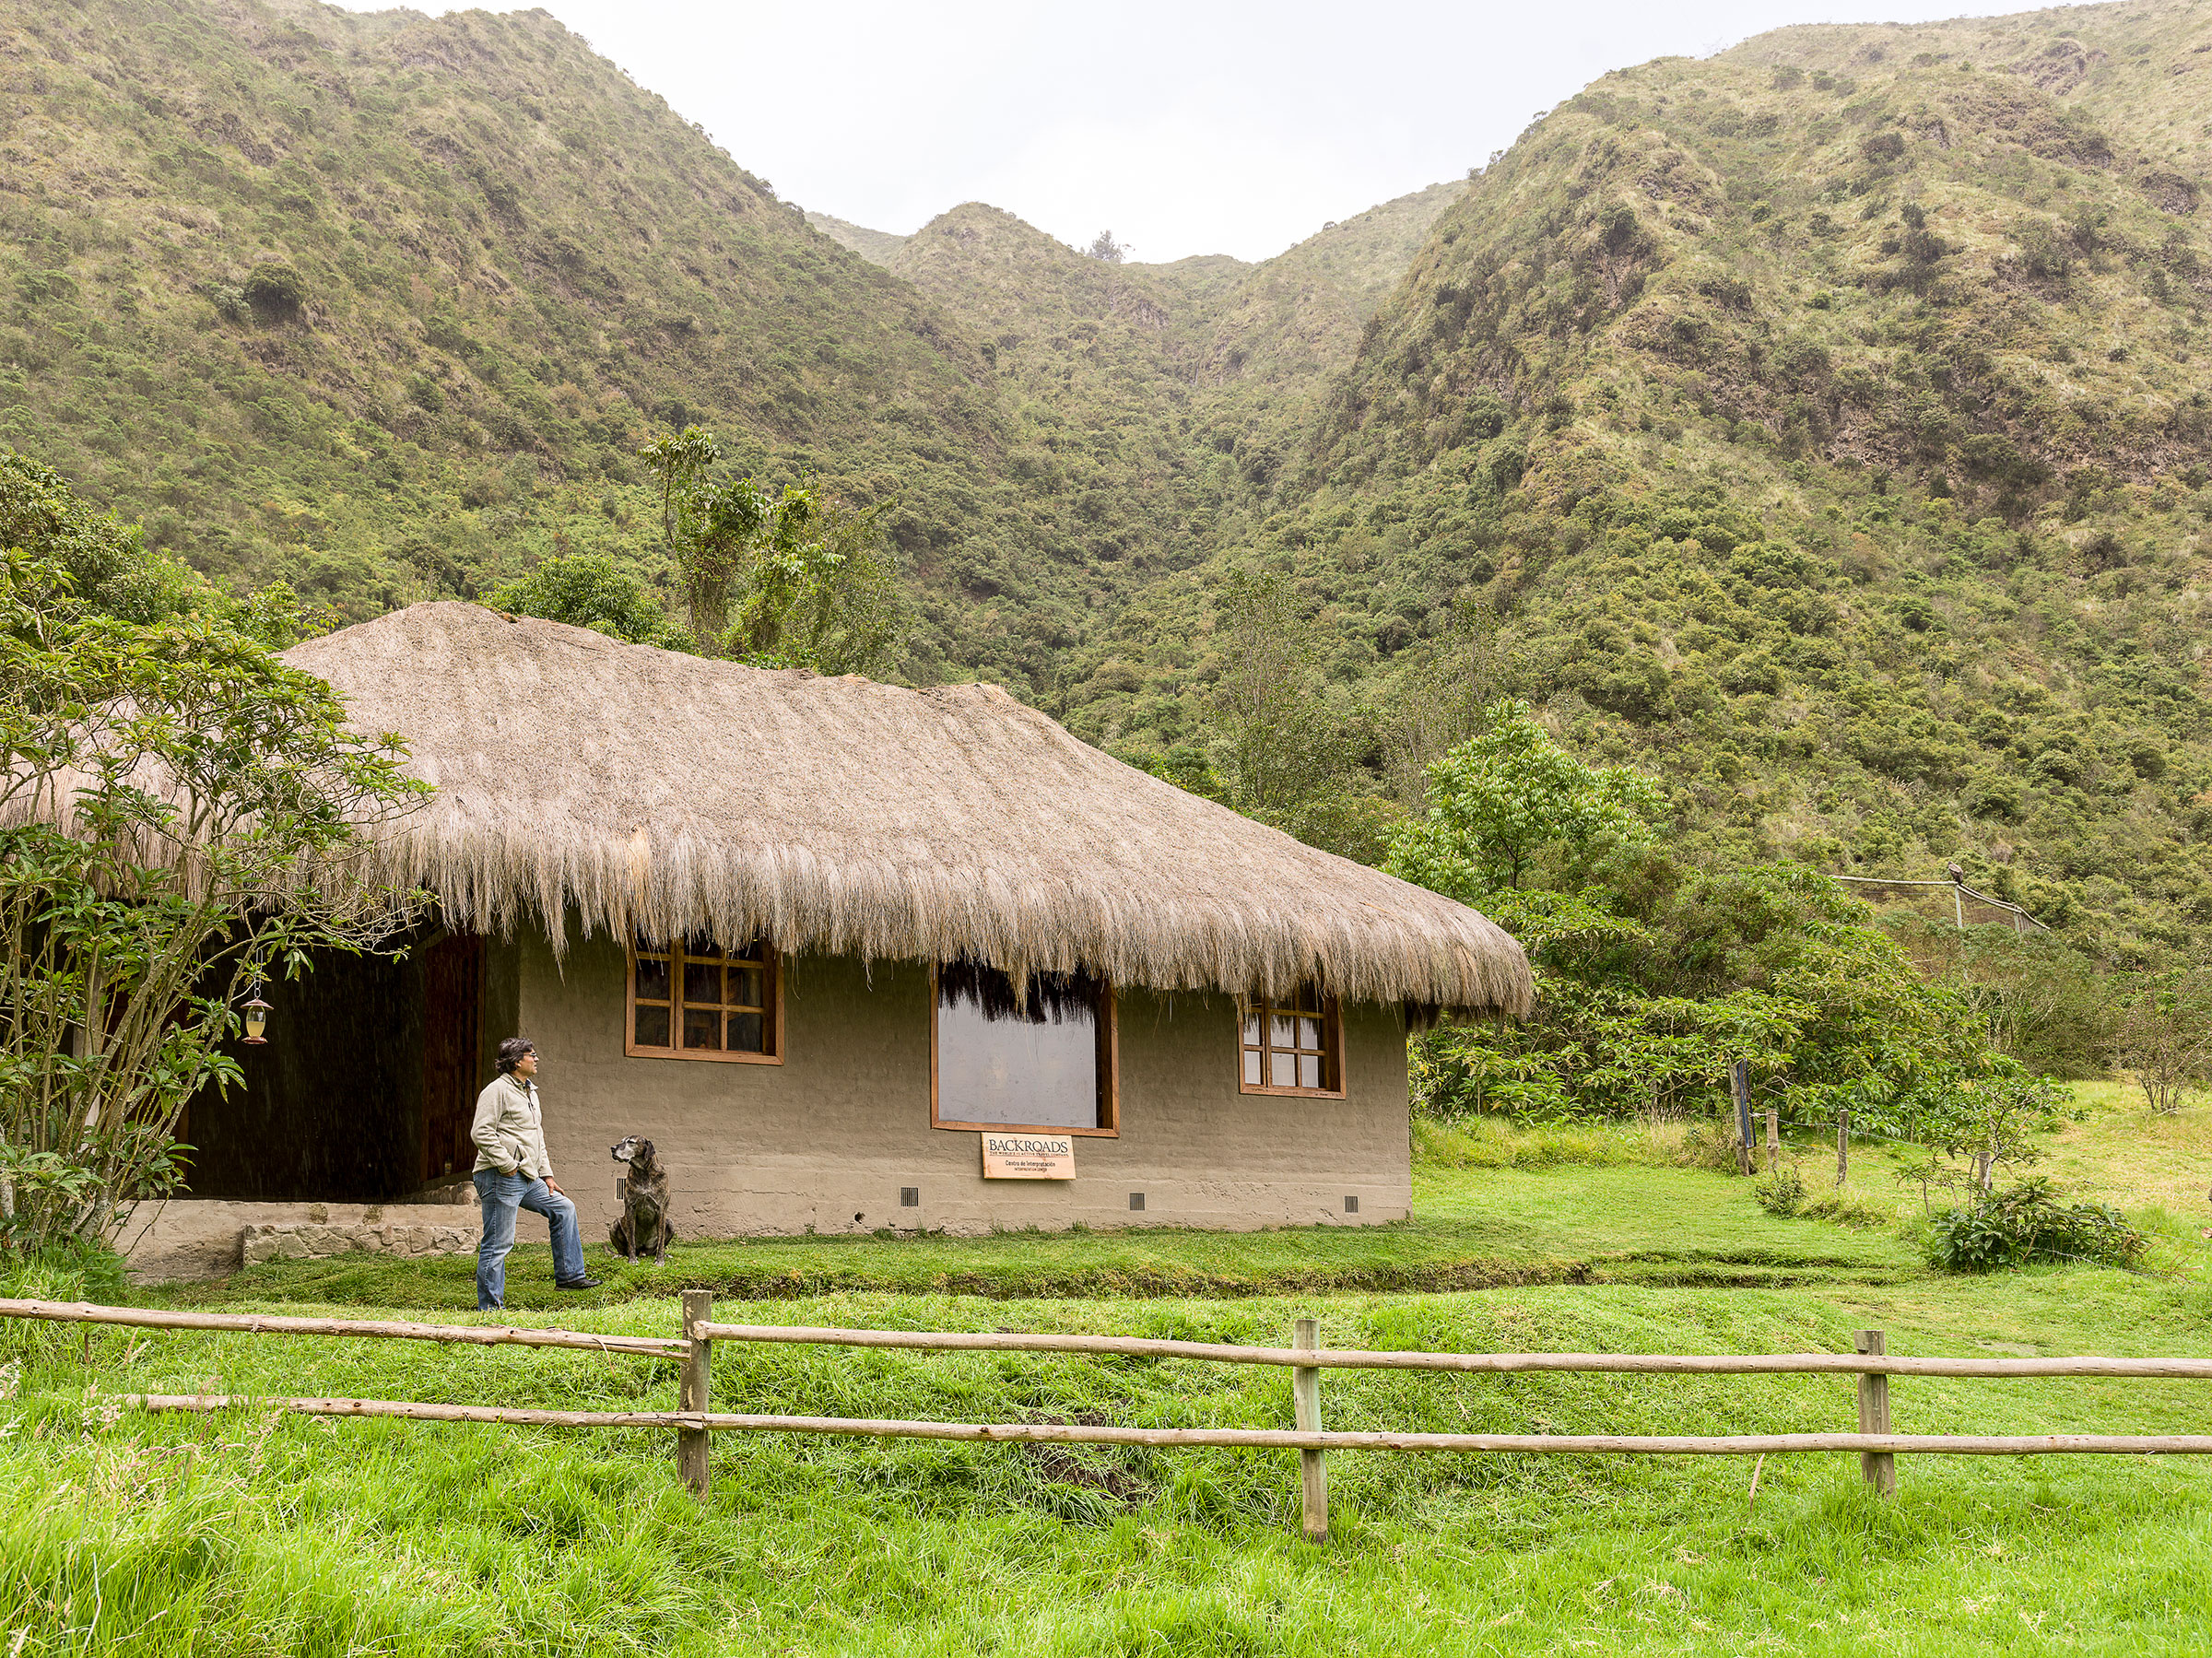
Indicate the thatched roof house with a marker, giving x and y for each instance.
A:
(902, 912)
(649, 791)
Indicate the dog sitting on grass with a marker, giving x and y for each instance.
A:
(644, 1228)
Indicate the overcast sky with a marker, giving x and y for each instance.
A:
(1190, 127)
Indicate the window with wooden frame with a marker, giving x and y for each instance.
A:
(693, 999)
(1291, 1044)
(1044, 1061)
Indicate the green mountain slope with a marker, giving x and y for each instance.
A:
(875, 246)
(1830, 423)
(384, 305)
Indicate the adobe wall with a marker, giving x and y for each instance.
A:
(825, 1140)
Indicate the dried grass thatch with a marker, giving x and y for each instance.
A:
(641, 789)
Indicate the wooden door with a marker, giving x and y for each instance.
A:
(451, 1014)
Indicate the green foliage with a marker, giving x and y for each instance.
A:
(2161, 1033)
(180, 814)
(1283, 742)
(2026, 1222)
(794, 580)
(1510, 798)
(108, 565)
(590, 590)
(1654, 975)
(1854, 491)
(2043, 1001)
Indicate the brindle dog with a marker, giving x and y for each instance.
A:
(644, 1228)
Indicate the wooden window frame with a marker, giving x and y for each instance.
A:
(773, 1010)
(1109, 1079)
(1332, 1021)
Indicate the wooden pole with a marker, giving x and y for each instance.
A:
(1879, 1467)
(1739, 1084)
(1258, 1438)
(1842, 1142)
(1353, 1359)
(256, 1323)
(1773, 1138)
(1305, 1397)
(693, 1390)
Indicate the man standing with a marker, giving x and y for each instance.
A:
(512, 1172)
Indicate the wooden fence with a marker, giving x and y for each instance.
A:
(694, 1423)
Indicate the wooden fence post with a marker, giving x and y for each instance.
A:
(1773, 1138)
(693, 1389)
(1879, 1467)
(1305, 1397)
(1842, 1142)
(1739, 1084)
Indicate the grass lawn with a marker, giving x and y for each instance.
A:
(249, 1533)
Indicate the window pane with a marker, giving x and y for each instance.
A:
(745, 987)
(703, 1027)
(653, 979)
(1281, 1032)
(745, 1033)
(1251, 1030)
(998, 1064)
(652, 1028)
(1308, 1033)
(706, 949)
(755, 951)
(703, 982)
(1252, 1067)
(1282, 1071)
(1308, 1070)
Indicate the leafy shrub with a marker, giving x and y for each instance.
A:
(276, 290)
(589, 590)
(2026, 1222)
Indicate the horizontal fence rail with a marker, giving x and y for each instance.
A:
(694, 1423)
(256, 1323)
(1353, 1359)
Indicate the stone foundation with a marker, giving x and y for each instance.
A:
(306, 1240)
(211, 1237)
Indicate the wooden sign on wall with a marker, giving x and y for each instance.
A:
(1028, 1157)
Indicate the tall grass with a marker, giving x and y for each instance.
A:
(249, 1533)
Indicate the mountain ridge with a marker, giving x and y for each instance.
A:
(1823, 424)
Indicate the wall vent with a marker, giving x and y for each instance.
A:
(1351, 1206)
(1136, 1200)
(910, 1197)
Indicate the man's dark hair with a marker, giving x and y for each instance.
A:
(511, 1052)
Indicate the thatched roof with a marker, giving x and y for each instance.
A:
(638, 788)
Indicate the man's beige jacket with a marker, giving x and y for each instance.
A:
(509, 1134)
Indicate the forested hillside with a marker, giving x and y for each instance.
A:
(1823, 427)
(1829, 423)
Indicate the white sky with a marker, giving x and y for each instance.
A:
(1196, 126)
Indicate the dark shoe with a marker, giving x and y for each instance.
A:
(579, 1284)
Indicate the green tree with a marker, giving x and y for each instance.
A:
(819, 590)
(796, 579)
(108, 564)
(2163, 1034)
(1654, 975)
(589, 590)
(180, 815)
(1509, 799)
(1284, 740)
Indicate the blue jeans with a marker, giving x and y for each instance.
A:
(502, 1194)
